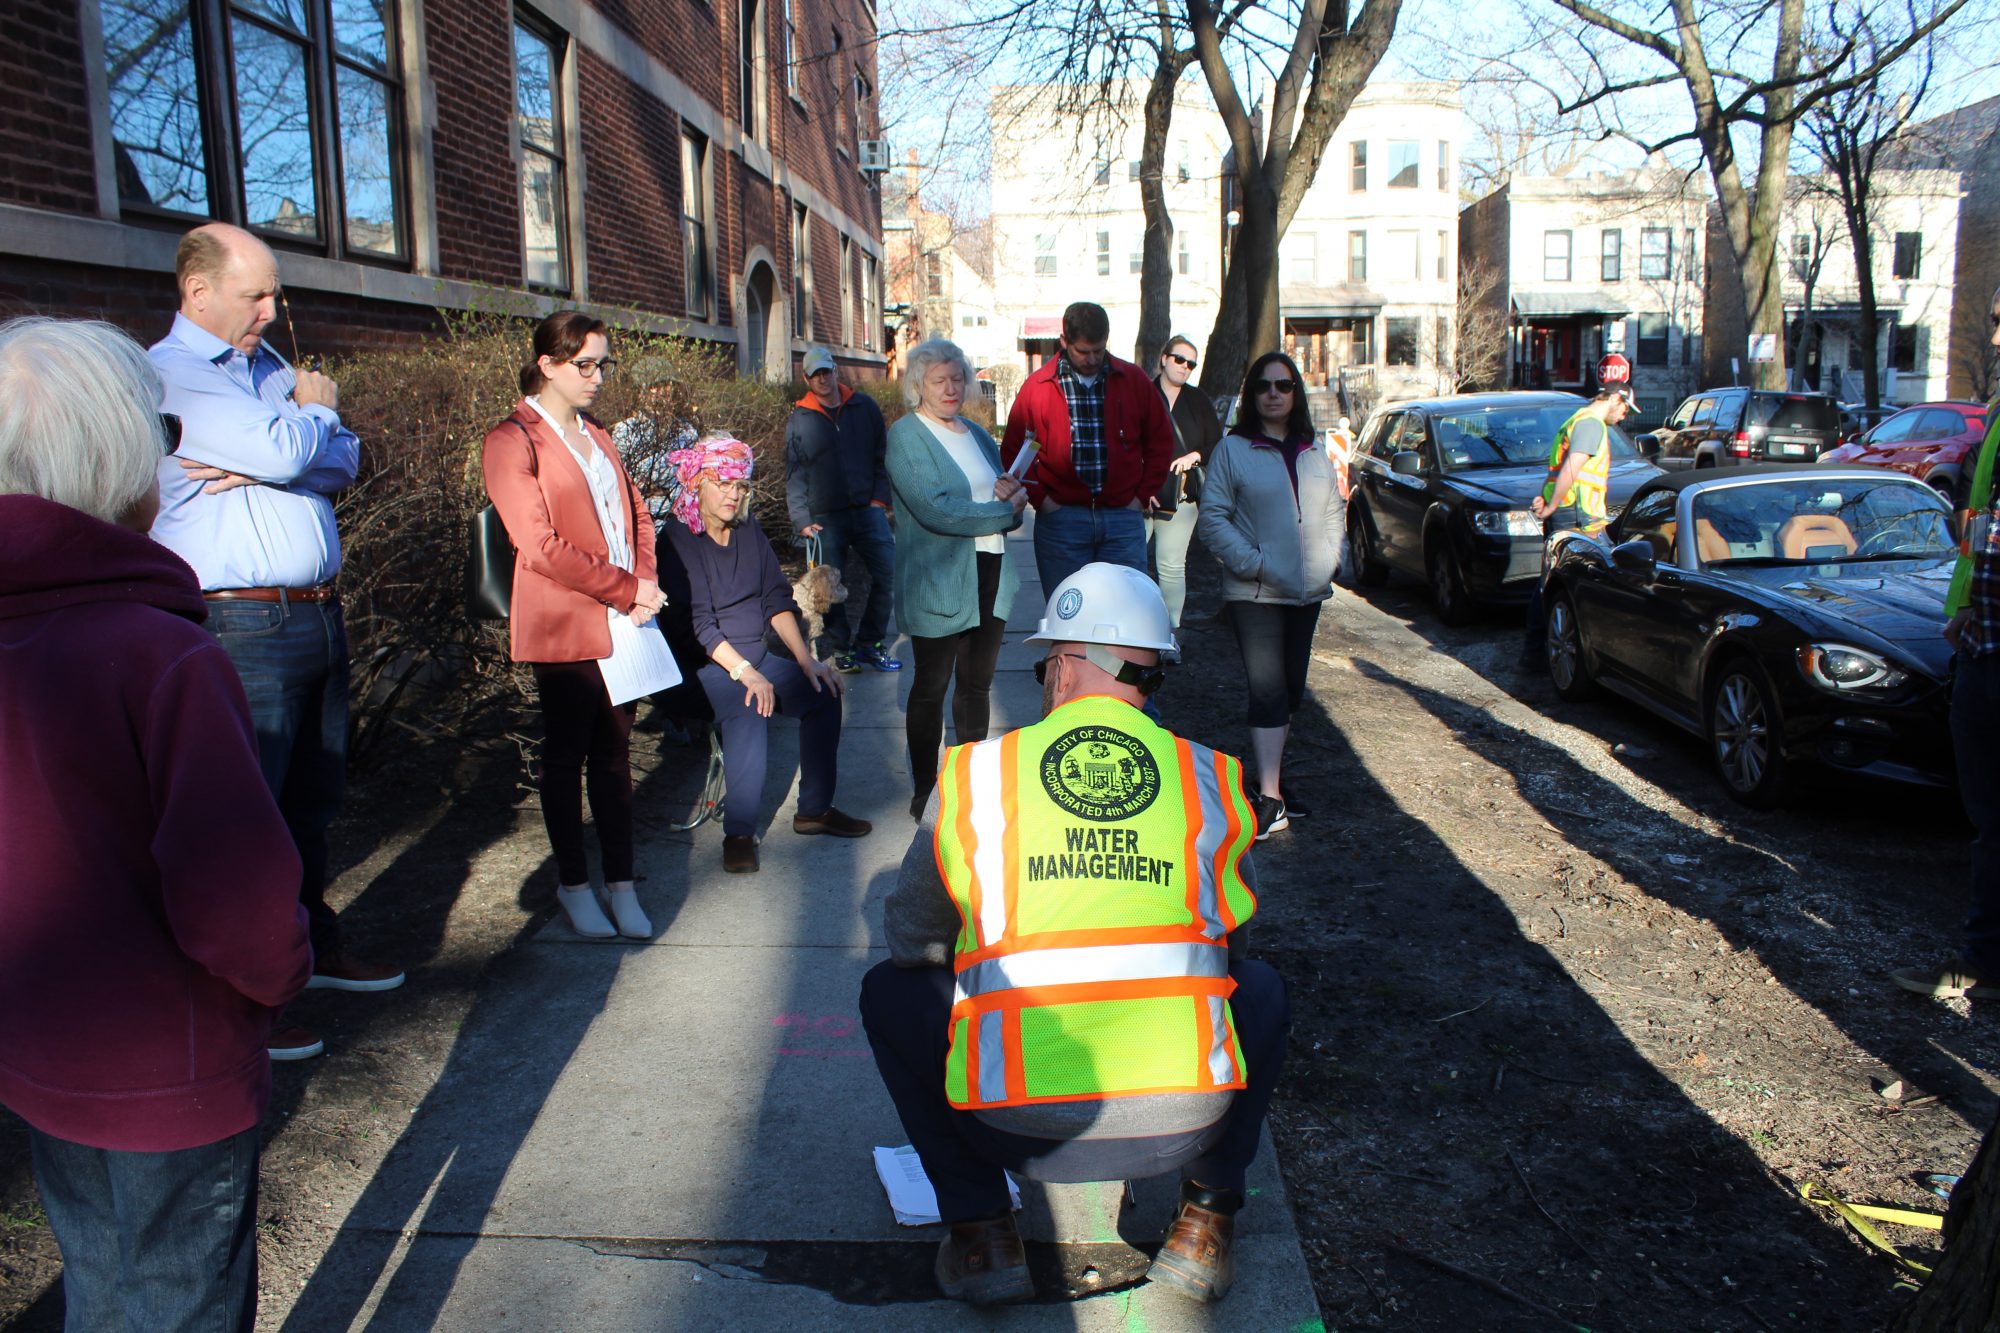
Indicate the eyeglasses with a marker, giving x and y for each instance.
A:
(1042, 667)
(170, 426)
(730, 487)
(1277, 386)
(587, 367)
(1186, 361)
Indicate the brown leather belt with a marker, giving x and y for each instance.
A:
(319, 592)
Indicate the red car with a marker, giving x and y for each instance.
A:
(1936, 443)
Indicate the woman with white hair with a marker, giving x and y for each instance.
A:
(954, 584)
(150, 924)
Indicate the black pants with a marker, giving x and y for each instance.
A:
(1569, 518)
(1276, 644)
(907, 1013)
(968, 655)
(584, 731)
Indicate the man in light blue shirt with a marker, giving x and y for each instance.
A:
(246, 499)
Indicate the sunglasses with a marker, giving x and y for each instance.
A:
(1042, 667)
(1277, 386)
(1146, 680)
(1177, 358)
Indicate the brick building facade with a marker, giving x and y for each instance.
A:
(691, 166)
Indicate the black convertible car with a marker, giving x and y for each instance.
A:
(1781, 613)
(1441, 490)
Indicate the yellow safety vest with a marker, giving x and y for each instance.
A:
(1591, 484)
(1093, 858)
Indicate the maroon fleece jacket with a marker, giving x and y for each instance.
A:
(149, 893)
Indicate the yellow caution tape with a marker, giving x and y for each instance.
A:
(1857, 1215)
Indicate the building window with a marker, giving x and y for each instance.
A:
(864, 96)
(1687, 253)
(1103, 254)
(871, 301)
(1555, 256)
(1444, 255)
(1360, 341)
(1611, 250)
(1357, 256)
(802, 273)
(1183, 172)
(1909, 254)
(933, 273)
(544, 193)
(1443, 340)
(1403, 164)
(791, 51)
(1045, 256)
(1185, 260)
(1103, 176)
(1132, 170)
(1656, 254)
(694, 224)
(286, 141)
(1399, 340)
(754, 56)
(1444, 166)
(1651, 343)
(1358, 176)
(1906, 352)
(846, 292)
(1136, 261)
(841, 127)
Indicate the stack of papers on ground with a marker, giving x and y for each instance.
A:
(910, 1192)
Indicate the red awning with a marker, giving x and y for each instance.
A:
(1041, 326)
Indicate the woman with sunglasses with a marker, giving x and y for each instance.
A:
(1171, 525)
(1271, 513)
(583, 553)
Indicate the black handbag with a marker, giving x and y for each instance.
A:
(489, 564)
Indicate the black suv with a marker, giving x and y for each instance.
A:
(1728, 426)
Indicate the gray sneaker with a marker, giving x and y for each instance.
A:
(1953, 979)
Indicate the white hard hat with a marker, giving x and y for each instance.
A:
(1108, 604)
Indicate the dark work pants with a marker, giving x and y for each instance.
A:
(160, 1241)
(1975, 718)
(864, 529)
(1276, 642)
(585, 731)
(968, 656)
(1569, 518)
(907, 1013)
(292, 658)
(746, 740)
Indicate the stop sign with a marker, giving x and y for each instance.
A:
(1614, 369)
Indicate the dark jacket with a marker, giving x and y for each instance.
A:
(149, 892)
(1137, 436)
(835, 460)
(734, 590)
(1196, 429)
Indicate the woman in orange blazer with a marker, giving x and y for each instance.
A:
(583, 553)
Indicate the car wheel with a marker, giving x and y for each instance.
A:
(1564, 645)
(1448, 593)
(1744, 735)
(1362, 562)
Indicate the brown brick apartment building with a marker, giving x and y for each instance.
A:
(696, 165)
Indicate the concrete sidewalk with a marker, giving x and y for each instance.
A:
(677, 1134)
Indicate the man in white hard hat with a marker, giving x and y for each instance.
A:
(1066, 995)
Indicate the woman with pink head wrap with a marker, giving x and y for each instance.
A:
(737, 591)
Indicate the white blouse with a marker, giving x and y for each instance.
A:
(602, 479)
(979, 475)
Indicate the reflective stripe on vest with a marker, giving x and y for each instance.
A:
(1588, 491)
(1093, 859)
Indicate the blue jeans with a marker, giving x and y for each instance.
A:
(746, 740)
(1072, 536)
(865, 530)
(1975, 713)
(293, 661)
(907, 1014)
(161, 1241)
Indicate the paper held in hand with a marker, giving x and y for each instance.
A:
(640, 663)
(910, 1194)
(1025, 459)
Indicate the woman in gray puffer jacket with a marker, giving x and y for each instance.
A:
(1271, 512)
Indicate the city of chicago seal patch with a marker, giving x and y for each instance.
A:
(1099, 773)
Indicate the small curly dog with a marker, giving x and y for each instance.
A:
(818, 591)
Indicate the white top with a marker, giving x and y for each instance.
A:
(602, 479)
(979, 475)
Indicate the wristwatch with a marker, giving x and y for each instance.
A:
(736, 672)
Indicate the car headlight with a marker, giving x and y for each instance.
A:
(1843, 670)
(1507, 522)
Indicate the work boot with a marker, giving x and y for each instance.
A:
(984, 1263)
(1195, 1258)
(833, 822)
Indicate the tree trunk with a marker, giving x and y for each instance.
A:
(1963, 1295)
(1156, 267)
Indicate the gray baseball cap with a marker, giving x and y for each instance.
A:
(819, 359)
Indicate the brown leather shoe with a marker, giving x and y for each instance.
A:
(1195, 1259)
(984, 1263)
(739, 855)
(834, 822)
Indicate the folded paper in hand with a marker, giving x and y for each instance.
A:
(1025, 459)
(910, 1192)
(640, 663)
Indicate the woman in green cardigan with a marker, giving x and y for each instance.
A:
(954, 583)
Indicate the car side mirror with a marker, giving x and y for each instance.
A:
(1637, 559)
(1649, 445)
(1406, 463)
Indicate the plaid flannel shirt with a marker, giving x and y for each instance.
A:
(1088, 457)
(1982, 631)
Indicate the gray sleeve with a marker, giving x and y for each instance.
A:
(918, 917)
(1587, 437)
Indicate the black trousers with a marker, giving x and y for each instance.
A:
(1276, 644)
(583, 731)
(969, 656)
(907, 1014)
